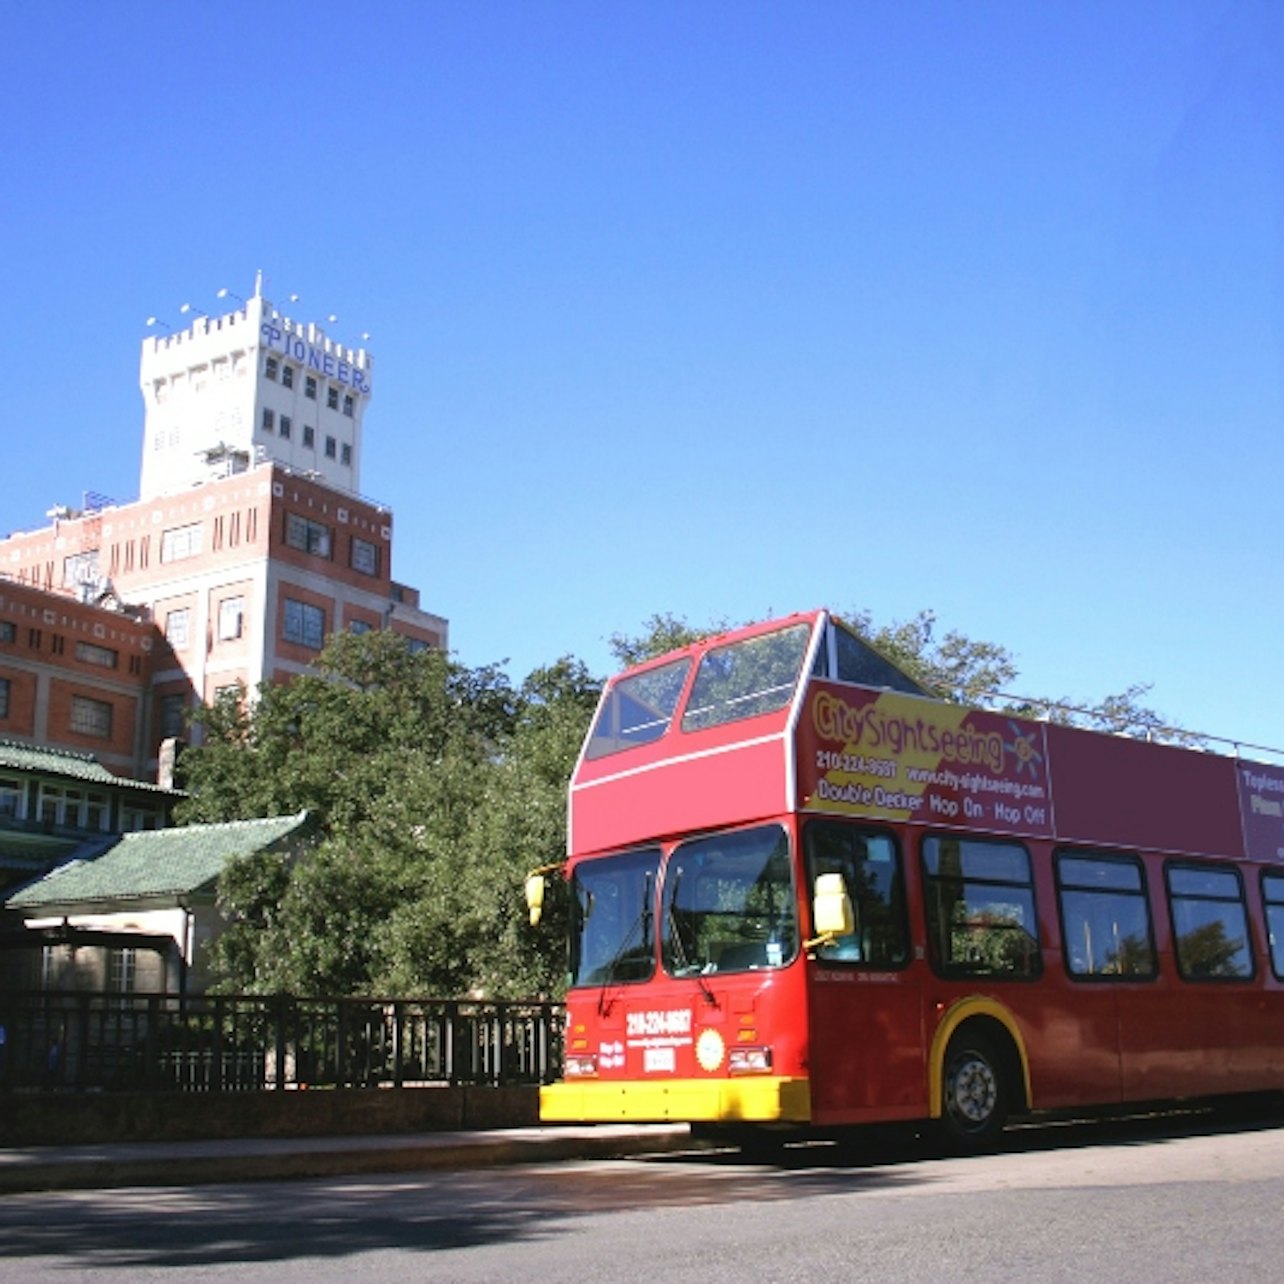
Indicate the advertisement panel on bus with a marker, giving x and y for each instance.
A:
(1261, 806)
(896, 757)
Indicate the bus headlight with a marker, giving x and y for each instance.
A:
(749, 1061)
(577, 1067)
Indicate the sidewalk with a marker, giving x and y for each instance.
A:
(192, 1163)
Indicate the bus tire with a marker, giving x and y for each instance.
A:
(974, 1105)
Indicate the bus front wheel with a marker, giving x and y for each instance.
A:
(974, 1106)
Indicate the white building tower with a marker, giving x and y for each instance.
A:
(250, 386)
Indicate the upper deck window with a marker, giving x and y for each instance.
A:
(638, 709)
(746, 678)
(857, 661)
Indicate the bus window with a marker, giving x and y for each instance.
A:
(980, 908)
(1105, 917)
(728, 904)
(637, 710)
(1273, 895)
(870, 867)
(858, 662)
(613, 919)
(746, 678)
(1210, 926)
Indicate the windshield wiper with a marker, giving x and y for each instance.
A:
(684, 966)
(644, 913)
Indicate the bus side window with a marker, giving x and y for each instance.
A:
(870, 865)
(1273, 898)
(1105, 917)
(981, 917)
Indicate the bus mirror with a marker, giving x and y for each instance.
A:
(832, 907)
(535, 886)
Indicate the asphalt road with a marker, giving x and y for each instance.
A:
(1186, 1198)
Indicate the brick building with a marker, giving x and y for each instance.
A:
(249, 546)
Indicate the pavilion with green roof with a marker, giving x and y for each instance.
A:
(137, 915)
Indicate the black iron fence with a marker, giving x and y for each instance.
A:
(72, 1040)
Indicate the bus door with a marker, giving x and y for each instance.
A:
(865, 1002)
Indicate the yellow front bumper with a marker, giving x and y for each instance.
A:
(768, 1099)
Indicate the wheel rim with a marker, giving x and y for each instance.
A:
(973, 1095)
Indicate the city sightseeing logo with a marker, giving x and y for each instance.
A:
(874, 728)
(1022, 748)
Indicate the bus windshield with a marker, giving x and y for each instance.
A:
(729, 904)
(746, 678)
(637, 709)
(612, 918)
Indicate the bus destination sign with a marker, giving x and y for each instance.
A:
(895, 757)
(1261, 806)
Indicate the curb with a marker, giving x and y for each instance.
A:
(202, 1163)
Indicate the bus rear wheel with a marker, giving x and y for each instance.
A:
(974, 1106)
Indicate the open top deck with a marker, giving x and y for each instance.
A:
(801, 715)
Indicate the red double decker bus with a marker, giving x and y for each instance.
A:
(804, 892)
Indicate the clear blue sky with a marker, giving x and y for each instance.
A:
(725, 309)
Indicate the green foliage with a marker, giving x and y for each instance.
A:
(660, 635)
(433, 789)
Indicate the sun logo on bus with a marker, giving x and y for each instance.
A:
(1021, 747)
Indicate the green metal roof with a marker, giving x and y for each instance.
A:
(156, 863)
(75, 766)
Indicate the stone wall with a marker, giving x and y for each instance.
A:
(91, 1118)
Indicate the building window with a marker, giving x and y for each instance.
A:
(136, 818)
(980, 908)
(346, 455)
(309, 437)
(306, 535)
(304, 624)
(90, 717)
(287, 375)
(176, 627)
(98, 812)
(365, 556)
(332, 397)
(1105, 917)
(13, 798)
(358, 627)
(121, 968)
(103, 656)
(269, 420)
(285, 427)
(231, 618)
(1210, 926)
(310, 387)
(331, 446)
(172, 710)
(347, 404)
(4, 701)
(232, 692)
(181, 542)
(270, 368)
(8, 631)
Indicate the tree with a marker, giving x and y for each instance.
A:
(660, 634)
(433, 789)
